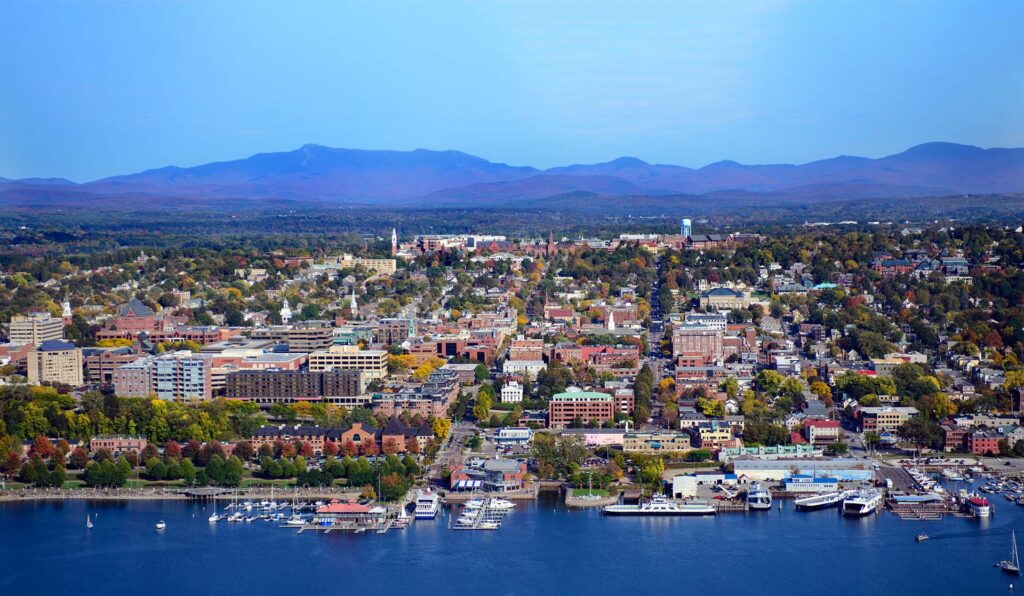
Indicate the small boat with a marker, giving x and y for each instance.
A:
(1012, 565)
(500, 504)
(88, 522)
(922, 537)
(759, 498)
(160, 525)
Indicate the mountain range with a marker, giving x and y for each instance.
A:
(426, 178)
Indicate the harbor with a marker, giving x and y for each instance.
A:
(881, 548)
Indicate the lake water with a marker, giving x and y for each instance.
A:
(540, 549)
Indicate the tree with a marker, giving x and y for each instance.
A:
(441, 427)
(79, 458)
(243, 450)
(481, 373)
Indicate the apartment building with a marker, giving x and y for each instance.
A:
(268, 387)
(180, 376)
(55, 361)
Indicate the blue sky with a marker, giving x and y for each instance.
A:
(91, 88)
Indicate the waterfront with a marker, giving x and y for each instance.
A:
(541, 548)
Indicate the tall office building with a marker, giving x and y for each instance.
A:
(36, 328)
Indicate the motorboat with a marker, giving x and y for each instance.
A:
(759, 498)
(160, 525)
(499, 504)
(862, 502)
(922, 537)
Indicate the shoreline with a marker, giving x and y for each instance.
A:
(21, 495)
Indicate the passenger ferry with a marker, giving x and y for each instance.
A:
(427, 505)
(979, 506)
(819, 501)
(759, 498)
(862, 502)
(659, 505)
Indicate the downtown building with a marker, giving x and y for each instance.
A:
(55, 361)
(274, 386)
(35, 329)
(180, 376)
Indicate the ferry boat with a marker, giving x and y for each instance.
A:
(819, 501)
(659, 505)
(427, 505)
(759, 498)
(862, 502)
(979, 506)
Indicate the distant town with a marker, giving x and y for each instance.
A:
(703, 371)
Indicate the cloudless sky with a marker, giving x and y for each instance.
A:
(91, 88)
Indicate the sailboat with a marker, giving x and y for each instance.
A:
(1011, 566)
(88, 522)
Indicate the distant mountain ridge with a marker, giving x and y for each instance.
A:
(425, 178)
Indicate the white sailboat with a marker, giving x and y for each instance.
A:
(88, 522)
(1011, 566)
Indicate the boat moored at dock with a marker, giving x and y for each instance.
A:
(819, 501)
(759, 498)
(427, 504)
(978, 506)
(862, 502)
(659, 505)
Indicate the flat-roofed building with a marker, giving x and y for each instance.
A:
(35, 328)
(55, 361)
(655, 442)
(373, 362)
(180, 376)
(268, 387)
(100, 363)
(566, 407)
(879, 418)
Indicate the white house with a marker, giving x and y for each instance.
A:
(511, 392)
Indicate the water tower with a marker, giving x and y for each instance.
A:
(685, 228)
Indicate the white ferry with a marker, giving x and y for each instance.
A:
(659, 505)
(427, 505)
(819, 501)
(759, 498)
(862, 502)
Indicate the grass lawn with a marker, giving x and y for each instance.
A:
(586, 492)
